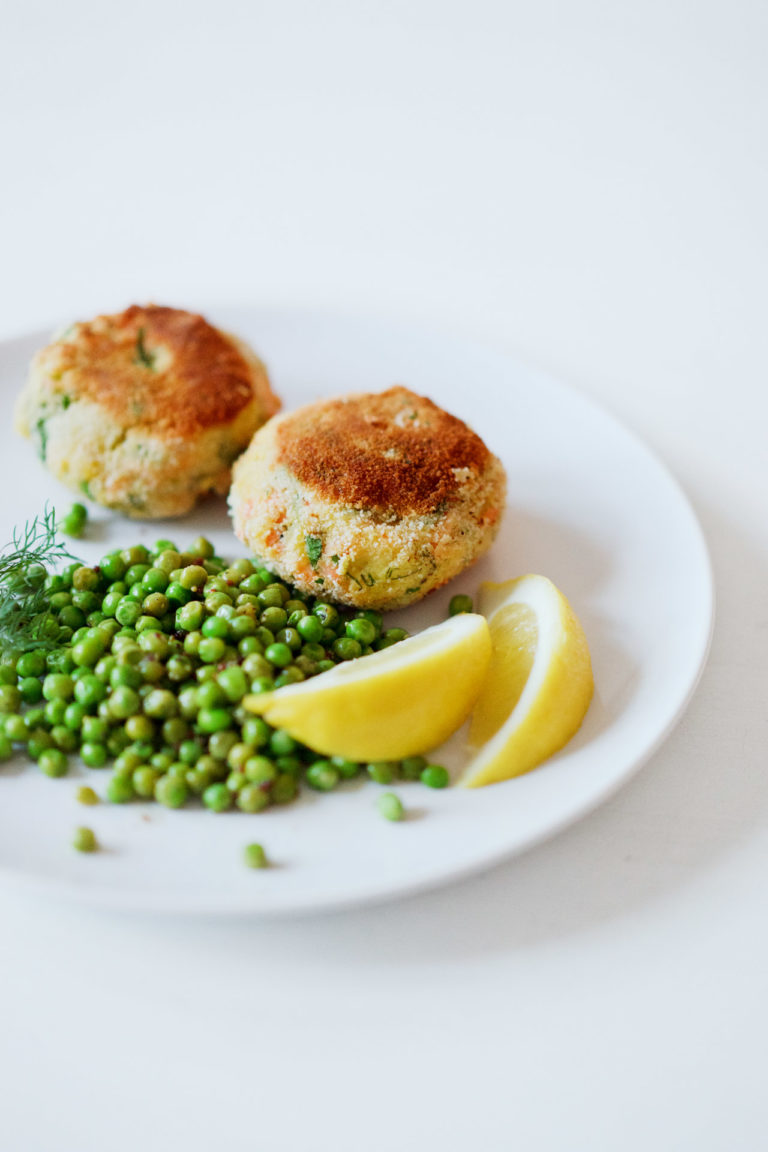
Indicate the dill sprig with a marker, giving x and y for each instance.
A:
(143, 355)
(26, 620)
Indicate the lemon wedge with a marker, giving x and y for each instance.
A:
(539, 683)
(399, 702)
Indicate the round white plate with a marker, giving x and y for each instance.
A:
(589, 506)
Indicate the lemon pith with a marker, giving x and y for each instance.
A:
(399, 702)
(539, 684)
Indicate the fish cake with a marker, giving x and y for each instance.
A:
(372, 500)
(144, 411)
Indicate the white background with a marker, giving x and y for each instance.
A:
(583, 184)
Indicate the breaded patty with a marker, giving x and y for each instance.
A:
(372, 500)
(144, 411)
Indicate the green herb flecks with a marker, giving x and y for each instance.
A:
(26, 621)
(314, 549)
(143, 356)
(42, 432)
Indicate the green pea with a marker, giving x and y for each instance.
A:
(39, 741)
(90, 690)
(86, 601)
(310, 629)
(189, 752)
(124, 702)
(193, 577)
(215, 626)
(347, 769)
(259, 770)
(34, 718)
(233, 682)
(84, 840)
(213, 719)
(327, 614)
(54, 711)
(435, 776)
(279, 654)
(93, 728)
(29, 664)
(103, 669)
(189, 704)
(292, 675)
(127, 612)
(211, 649)
(120, 789)
(390, 637)
(284, 788)
(210, 694)
(255, 731)
(86, 795)
(58, 685)
(154, 643)
(242, 629)
(390, 806)
(139, 728)
(361, 630)
(217, 797)
(460, 604)
(274, 619)
(113, 567)
(221, 743)
(161, 704)
(290, 637)
(281, 744)
(144, 780)
(53, 762)
(155, 604)
(179, 668)
(15, 729)
(190, 617)
(347, 649)
(250, 798)
(30, 690)
(73, 717)
(382, 771)
(85, 579)
(161, 760)
(322, 776)
(254, 856)
(64, 738)
(93, 754)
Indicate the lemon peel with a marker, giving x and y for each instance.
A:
(539, 683)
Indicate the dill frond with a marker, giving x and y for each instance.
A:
(26, 620)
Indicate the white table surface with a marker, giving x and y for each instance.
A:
(583, 184)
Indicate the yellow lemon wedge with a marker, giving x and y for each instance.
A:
(539, 683)
(399, 702)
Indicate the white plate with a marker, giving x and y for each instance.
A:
(589, 506)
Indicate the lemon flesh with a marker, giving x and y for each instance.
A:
(399, 702)
(539, 682)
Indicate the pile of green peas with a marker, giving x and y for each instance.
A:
(157, 649)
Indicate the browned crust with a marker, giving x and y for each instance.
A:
(199, 379)
(391, 451)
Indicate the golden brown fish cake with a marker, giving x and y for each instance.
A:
(144, 411)
(372, 500)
